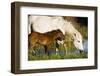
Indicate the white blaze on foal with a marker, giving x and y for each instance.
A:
(44, 24)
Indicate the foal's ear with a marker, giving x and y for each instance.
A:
(58, 30)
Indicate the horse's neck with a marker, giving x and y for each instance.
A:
(65, 26)
(70, 29)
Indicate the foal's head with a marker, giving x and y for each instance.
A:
(58, 35)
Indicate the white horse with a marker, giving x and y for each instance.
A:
(44, 24)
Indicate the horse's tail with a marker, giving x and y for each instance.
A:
(30, 24)
(32, 30)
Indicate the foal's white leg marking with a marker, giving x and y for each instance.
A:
(57, 51)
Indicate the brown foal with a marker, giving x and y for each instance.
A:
(44, 39)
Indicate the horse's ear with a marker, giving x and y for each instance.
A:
(74, 36)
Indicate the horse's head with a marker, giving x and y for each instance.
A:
(76, 36)
(77, 40)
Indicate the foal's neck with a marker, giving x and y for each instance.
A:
(55, 36)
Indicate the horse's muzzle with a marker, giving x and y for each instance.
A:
(81, 51)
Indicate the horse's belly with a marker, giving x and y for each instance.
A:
(42, 28)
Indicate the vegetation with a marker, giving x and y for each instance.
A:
(56, 56)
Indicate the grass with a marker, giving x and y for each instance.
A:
(54, 56)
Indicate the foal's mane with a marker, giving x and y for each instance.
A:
(55, 34)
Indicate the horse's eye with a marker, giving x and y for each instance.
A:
(78, 41)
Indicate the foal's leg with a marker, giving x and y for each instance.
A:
(57, 46)
(46, 50)
(31, 48)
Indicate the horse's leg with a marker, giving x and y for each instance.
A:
(65, 48)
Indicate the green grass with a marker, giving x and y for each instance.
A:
(75, 56)
(54, 56)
